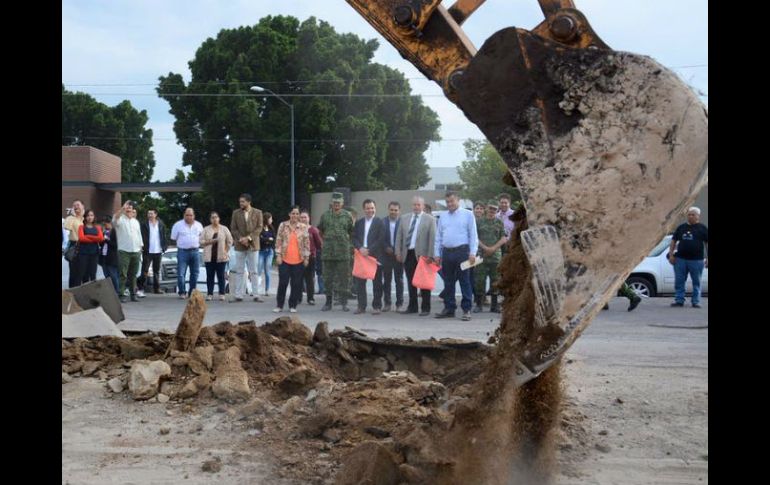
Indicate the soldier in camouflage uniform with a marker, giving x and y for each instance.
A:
(491, 237)
(336, 227)
(633, 298)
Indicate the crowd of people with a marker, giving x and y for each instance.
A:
(303, 253)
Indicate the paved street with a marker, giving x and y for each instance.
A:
(639, 379)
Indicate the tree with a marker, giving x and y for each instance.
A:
(240, 142)
(119, 130)
(483, 172)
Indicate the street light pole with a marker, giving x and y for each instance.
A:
(291, 107)
(259, 89)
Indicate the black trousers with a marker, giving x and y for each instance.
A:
(148, 258)
(87, 267)
(410, 265)
(74, 279)
(215, 269)
(289, 273)
(392, 269)
(308, 276)
(360, 286)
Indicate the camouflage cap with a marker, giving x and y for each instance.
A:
(492, 203)
(337, 197)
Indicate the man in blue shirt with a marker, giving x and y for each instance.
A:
(456, 241)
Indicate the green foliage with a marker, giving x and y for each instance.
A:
(482, 173)
(119, 130)
(236, 144)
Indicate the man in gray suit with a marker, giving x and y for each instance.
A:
(416, 237)
(245, 226)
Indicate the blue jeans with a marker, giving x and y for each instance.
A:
(681, 268)
(185, 258)
(113, 273)
(265, 263)
(450, 267)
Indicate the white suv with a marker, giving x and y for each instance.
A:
(654, 276)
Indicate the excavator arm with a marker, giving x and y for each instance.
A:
(607, 149)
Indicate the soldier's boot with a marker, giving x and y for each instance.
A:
(633, 298)
(328, 305)
(634, 302)
(495, 306)
(478, 308)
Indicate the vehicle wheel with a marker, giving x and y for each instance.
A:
(642, 286)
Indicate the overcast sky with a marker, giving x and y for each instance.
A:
(132, 42)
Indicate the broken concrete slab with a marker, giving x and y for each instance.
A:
(89, 323)
(68, 303)
(99, 293)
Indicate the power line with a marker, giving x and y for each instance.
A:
(297, 81)
(271, 140)
(227, 83)
(251, 95)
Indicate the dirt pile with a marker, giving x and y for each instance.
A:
(340, 407)
(311, 397)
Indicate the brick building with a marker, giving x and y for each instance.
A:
(93, 176)
(83, 171)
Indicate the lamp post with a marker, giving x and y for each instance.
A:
(260, 89)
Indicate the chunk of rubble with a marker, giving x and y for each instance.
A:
(369, 463)
(232, 382)
(144, 377)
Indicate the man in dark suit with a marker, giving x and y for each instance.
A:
(154, 239)
(369, 239)
(415, 237)
(391, 267)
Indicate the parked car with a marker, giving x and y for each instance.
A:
(654, 276)
(168, 265)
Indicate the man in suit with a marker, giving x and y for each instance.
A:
(245, 226)
(415, 237)
(369, 239)
(391, 268)
(155, 244)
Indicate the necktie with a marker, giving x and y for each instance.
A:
(411, 231)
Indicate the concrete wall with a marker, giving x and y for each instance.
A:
(320, 201)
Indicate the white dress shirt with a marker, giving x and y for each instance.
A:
(129, 234)
(367, 225)
(186, 236)
(154, 238)
(392, 232)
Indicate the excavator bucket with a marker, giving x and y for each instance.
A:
(606, 148)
